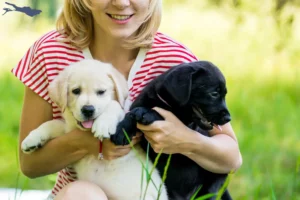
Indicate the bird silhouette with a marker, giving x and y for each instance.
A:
(27, 10)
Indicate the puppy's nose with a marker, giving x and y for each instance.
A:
(88, 111)
(225, 116)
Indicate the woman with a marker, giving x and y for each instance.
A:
(124, 33)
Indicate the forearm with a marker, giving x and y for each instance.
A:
(219, 153)
(53, 156)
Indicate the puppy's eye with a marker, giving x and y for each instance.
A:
(76, 91)
(100, 92)
(214, 94)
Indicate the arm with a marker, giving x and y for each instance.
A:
(219, 153)
(62, 151)
(57, 153)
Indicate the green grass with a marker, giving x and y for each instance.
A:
(263, 95)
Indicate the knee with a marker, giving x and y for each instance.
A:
(79, 190)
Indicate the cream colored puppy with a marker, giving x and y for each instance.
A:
(91, 95)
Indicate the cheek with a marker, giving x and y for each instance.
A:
(99, 4)
(142, 9)
(101, 103)
(77, 102)
(72, 103)
(141, 4)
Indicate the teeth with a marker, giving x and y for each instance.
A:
(120, 17)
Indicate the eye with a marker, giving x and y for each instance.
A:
(214, 94)
(100, 92)
(76, 91)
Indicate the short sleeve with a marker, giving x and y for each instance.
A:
(31, 70)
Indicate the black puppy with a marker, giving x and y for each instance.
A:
(195, 93)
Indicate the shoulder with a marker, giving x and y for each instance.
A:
(49, 53)
(44, 60)
(167, 48)
(55, 43)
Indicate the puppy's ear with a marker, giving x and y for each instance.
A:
(120, 85)
(177, 85)
(58, 89)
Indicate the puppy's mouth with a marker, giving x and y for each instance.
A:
(203, 120)
(86, 124)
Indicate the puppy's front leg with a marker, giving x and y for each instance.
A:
(128, 124)
(38, 137)
(105, 125)
(145, 115)
(141, 115)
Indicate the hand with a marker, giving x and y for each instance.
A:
(87, 141)
(112, 151)
(167, 135)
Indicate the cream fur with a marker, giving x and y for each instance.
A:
(120, 178)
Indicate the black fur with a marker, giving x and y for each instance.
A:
(195, 93)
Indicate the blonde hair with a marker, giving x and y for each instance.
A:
(76, 22)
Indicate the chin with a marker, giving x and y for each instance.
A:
(123, 34)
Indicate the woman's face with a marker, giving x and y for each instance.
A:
(119, 18)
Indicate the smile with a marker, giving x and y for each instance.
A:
(120, 17)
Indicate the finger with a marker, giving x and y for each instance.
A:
(164, 113)
(109, 157)
(123, 147)
(136, 137)
(150, 128)
(150, 140)
(122, 152)
(138, 134)
(135, 141)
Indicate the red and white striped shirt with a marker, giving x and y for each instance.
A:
(48, 56)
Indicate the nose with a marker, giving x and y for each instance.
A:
(88, 110)
(225, 116)
(121, 4)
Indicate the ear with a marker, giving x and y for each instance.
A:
(177, 85)
(120, 85)
(58, 90)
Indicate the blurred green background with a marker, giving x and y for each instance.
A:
(257, 46)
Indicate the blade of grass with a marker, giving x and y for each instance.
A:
(135, 151)
(164, 175)
(195, 194)
(147, 160)
(154, 167)
(223, 188)
(207, 196)
(142, 183)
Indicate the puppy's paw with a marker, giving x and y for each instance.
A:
(145, 116)
(33, 141)
(128, 126)
(119, 138)
(104, 127)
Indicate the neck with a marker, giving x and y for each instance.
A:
(110, 50)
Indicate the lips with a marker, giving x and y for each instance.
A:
(119, 17)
